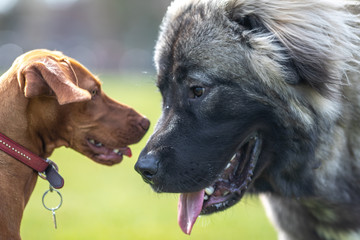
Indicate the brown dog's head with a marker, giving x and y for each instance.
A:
(68, 108)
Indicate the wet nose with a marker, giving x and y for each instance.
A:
(144, 123)
(147, 166)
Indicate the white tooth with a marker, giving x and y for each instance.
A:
(233, 158)
(228, 166)
(116, 151)
(219, 205)
(226, 193)
(206, 197)
(92, 141)
(209, 190)
(98, 144)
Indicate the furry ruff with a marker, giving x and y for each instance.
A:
(284, 71)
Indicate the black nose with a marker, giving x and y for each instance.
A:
(147, 166)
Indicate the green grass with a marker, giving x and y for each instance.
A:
(103, 202)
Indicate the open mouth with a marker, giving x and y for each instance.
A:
(107, 155)
(227, 189)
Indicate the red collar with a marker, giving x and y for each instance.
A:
(32, 160)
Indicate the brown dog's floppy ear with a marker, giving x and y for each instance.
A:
(49, 77)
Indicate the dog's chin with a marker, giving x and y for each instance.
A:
(230, 186)
(101, 153)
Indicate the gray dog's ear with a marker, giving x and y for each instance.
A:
(254, 26)
(315, 49)
(248, 22)
(49, 77)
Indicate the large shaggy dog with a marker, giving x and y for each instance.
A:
(260, 96)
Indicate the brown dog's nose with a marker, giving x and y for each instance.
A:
(145, 123)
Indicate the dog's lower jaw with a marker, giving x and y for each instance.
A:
(230, 187)
(104, 155)
(227, 190)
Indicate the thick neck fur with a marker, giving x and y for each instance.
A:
(340, 167)
(333, 211)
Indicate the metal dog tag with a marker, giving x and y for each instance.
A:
(51, 190)
(54, 219)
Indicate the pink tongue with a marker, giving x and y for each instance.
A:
(189, 208)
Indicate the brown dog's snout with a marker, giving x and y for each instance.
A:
(144, 123)
(136, 120)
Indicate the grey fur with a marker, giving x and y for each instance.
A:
(301, 60)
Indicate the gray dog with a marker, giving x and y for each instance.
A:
(260, 96)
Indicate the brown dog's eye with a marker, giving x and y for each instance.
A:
(197, 91)
(94, 92)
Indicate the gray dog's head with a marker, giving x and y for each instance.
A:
(246, 89)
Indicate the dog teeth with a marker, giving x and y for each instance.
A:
(117, 151)
(219, 205)
(228, 166)
(97, 144)
(226, 193)
(209, 190)
(233, 158)
(206, 197)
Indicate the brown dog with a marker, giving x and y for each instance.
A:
(49, 100)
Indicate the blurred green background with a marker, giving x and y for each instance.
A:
(102, 202)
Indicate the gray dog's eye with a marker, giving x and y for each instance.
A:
(197, 92)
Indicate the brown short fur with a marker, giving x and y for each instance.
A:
(49, 100)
